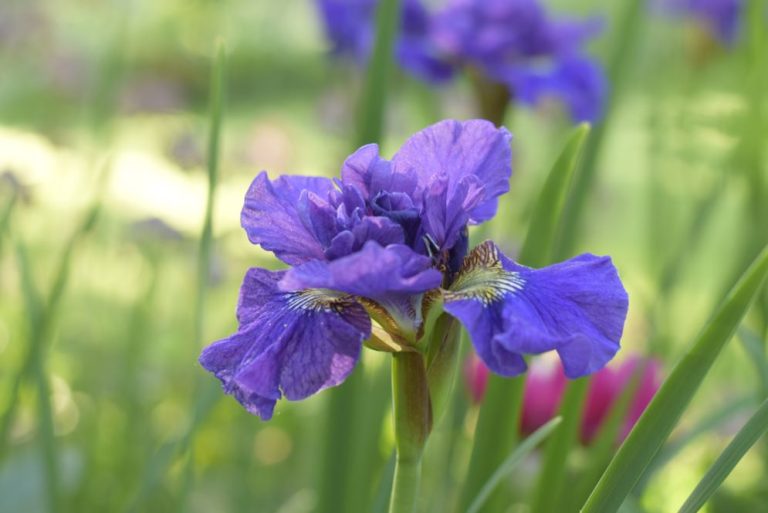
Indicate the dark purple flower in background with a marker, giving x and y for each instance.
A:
(515, 43)
(350, 26)
(370, 253)
(721, 18)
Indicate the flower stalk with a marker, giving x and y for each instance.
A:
(413, 422)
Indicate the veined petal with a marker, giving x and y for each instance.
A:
(577, 307)
(454, 151)
(291, 344)
(271, 216)
(393, 278)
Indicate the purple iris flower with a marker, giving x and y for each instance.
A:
(374, 254)
(350, 26)
(720, 17)
(515, 43)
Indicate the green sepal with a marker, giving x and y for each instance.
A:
(442, 362)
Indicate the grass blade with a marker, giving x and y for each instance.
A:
(35, 311)
(551, 477)
(539, 242)
(371, 107)
(603, 446)
(628, 29)
(747, 436)
(512, 461)
(206, 393)
(755, 349)
(204, 398)
(497, 426)
(673, 397)
(41, 315)
(5, 218)
(711, 422)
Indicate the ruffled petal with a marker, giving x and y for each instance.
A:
(372, 272)
(291, 344)
(272, 215)
(371, 174)
(577, 307)
(456, 152)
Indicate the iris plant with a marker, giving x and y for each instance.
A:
(380, 258)
(513, 49)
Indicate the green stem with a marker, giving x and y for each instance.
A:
(493, 99)
(405, 486)
(413, 422)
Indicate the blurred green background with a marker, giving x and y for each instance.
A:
(107, 102)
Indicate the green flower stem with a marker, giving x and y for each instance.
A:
(413, 422)
(493, 99)
(405, 486)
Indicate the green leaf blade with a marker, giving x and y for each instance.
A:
(747, 436)
(539, 241)
(676, 392)
(512, 461)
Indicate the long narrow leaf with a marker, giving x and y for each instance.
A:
(552, 473)
(670, 402)
(35, 314)
(205, 398)
(604, 444)
(512, 461)
(627, 32)
(709, 423)
(756, 351)
(755, 427)
(41, 315)
(539, 242)
(496, 433)
(5, 217)
(373, 98)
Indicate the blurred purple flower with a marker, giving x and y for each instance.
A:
(350, 26)
(511, 42)
(367, 249)
(722, 18)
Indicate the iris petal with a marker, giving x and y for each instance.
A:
(577, 308)
(291, 344)
(454, 150)
(272, 216)
(392, 278)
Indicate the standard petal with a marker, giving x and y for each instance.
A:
(577, 307)
(371, 174)
(291, 344)
(454, 150)
(271, 216)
